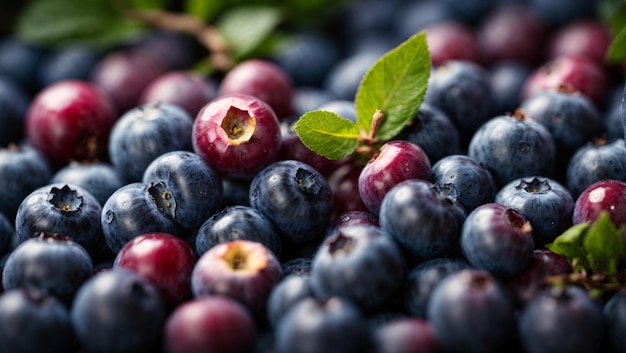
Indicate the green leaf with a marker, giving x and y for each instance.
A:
(327, 133)
(395, 84)
(245, 27)
(148, 4)
(570, 244)
(52, 22)
(604, 245)
(617, 49)
(204, 10)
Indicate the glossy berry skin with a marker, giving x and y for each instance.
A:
(146, 132)
(470, 311)
(344, 183)
(406, 335)
(22, 170)
(14, 103)
(237, 223)
(511, 147)
(118, 311)
(562, 319)
(577, 72)
(332, 325)
(136, 209)
(422, 218)
(423, 278)
(61, 208)
(451, 40)
(546, 203)
(264, 80)
(473, 182)
(351, 218)
(586, 37)
(164, 260)
(526, 285)
(615, 322)
(497, 239)
(468, 105)
(601, 196)
(34, 322)
(571, 118)
(291, 289)
(124, 74)
(595, 161)
(433, 131)
(98, 178)
(360, 262)
(295, 197)
(70, 120)
(196, 189)
(51, 263)
(188, 90)
(237, 134)
(395, 162)
(243, 270)
(210, 324)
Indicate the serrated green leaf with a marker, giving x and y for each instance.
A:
(327, 133)
(604, 245)
(396, 85)
(52, 22)
(203, 9)
(245, 27)
(570, 244)
(617, 49)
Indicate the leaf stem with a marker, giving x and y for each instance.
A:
(206, 34)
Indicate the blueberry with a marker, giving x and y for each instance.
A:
(20, 61)
(306, 98)
(507, 80)
(34, 322)
(406, 335)
(146, 132)
(423, 218)
(285, 294)
(473, 182)
(328, 325)
(462, 89)
(61, 208)
(596, 161)
(14, 101)
(497, 239)
(118, 311)
(136, 209)
(546, 203)
(22, 170)
(297, 266)
(561, 12)
(71, 61)
(470, 311)
(237, 223)
(422, 280)
(99, 179)
(612, 114)
(195, 187)
(50, 263)
(345, 76)
(343, 107)
(360, 262)
(295, 197)
(511, 147)
(415, 16)
(434, 132)
(562, 319)
(615, 317)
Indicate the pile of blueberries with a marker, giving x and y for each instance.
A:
(150, 208)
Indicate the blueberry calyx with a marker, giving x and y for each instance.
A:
(446, 192)
(308, 181)
(65, 199)
(163, 199)
(535, 186)
(341, 243)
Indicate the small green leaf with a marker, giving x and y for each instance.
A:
(327, 133)
(570, 244)
(52, 22)
(604, 245)
(203, 9)
(396, 85)
(617, 49)
(245, 27)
